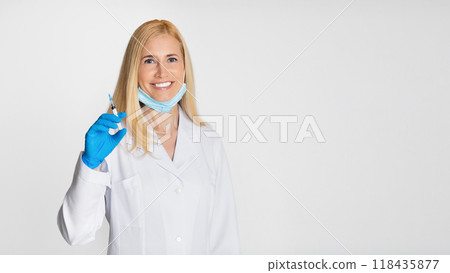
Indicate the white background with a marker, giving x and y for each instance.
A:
(376, 81)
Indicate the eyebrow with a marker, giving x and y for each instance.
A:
(151, 56)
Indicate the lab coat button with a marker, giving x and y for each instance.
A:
(178, 239)
(178, 190)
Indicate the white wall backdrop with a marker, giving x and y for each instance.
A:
(373, 74)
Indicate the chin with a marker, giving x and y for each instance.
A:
(164, 97)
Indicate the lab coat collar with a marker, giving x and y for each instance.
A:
(185, 148)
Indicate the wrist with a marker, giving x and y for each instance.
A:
(91, 163)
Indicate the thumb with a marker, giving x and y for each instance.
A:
(122, 114)
(117, 137)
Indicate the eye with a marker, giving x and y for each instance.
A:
(148, 60)
(173, 59)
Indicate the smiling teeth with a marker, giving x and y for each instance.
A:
(163, 84)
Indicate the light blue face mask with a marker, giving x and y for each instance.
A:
(162, 106)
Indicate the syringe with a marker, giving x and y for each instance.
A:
(113, 107)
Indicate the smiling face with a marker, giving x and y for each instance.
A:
(163, 65)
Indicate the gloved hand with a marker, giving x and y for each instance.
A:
(98, 142)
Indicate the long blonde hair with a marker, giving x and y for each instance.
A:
(126, 96)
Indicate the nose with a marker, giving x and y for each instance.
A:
(161, 72)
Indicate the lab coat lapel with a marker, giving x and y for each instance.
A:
(185, 151)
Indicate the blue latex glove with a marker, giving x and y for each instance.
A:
(98, 142)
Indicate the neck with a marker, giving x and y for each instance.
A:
(162, 122)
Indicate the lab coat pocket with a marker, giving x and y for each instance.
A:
(130, 183)
(129, 202)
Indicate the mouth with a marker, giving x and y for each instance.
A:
(162, 85)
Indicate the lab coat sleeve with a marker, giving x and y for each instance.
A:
(224, 237)
(83, 208)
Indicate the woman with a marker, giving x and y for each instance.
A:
(169, 193)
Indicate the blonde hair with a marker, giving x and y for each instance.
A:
(126, 96)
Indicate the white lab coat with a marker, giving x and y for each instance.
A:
(156, 206)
